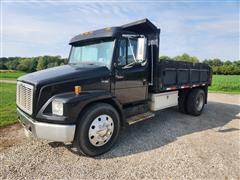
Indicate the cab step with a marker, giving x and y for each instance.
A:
(140, 117)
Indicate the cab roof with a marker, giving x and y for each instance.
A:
(143, 26)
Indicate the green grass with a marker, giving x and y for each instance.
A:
(10, 75)
(225, 84)
(7, 104)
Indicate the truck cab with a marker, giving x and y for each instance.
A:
(112, 78)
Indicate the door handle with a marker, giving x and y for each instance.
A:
(119, 77)
(144, 82)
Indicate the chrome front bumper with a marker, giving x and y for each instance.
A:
(53, 132)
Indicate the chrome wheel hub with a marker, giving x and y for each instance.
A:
(101, 130)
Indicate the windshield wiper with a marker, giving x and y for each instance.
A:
(90, 63)
(85, 62)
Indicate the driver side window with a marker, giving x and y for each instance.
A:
(127, 51)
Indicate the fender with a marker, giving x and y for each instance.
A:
(74, 105)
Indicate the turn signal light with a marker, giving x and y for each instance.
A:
(77, 89)
(86, 33)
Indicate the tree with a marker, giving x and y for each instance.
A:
(42, 63)
(3, 61)
(25, 65)
(206, 61)
(12, 64)
(34, 64)
(2, 65)
(165, 58)
(187, 58)
(236, 63)
(216, 62)
(227, 63)
(53, 64)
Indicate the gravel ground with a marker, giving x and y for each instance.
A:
(169, 146)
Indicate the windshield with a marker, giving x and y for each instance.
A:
(98, 53)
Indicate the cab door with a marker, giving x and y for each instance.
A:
(130, 77)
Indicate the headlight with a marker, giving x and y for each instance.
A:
(57, 108)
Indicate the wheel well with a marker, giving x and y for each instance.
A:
(107, 101)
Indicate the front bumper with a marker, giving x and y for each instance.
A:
(53, 132)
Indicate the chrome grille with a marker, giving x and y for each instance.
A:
(24, 97)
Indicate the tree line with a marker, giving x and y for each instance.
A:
(31, 64)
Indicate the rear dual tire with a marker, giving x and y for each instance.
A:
(192, 102)
(195, 102)
(182, 101)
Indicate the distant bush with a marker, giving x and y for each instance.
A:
(225, 68)
(183, 57)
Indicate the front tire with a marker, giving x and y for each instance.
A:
(97, 130)
(195, 102)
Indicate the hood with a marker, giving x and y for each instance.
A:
(64, 73)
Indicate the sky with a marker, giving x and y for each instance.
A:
(199, 28)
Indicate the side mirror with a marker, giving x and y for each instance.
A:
(141, 49)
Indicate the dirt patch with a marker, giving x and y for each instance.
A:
(12, 135)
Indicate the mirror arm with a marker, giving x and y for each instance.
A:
(151, 83)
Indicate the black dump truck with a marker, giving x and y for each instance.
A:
(112, 78)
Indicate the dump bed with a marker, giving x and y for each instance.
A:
(171, 75)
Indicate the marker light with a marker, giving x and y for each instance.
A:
(77, 89)
(86, 33)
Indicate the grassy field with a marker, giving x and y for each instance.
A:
(225, 84)
(7, 104)
(10, 75)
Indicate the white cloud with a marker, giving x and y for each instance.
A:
(45, 28)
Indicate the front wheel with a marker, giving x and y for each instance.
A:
(97, 129)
